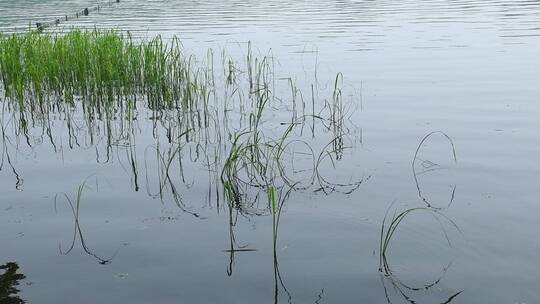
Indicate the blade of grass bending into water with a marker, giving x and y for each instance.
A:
(75, 208)
(415, 174)
(387, 232)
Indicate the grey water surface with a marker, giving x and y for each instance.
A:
(469, 69)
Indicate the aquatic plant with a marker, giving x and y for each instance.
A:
(276, 200)
(388, 229)
(390, 226)
(114, 81)
(75, 205)
(101, 68)
(430, 166)
(407, 294)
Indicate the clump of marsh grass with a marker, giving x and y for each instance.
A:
(100, 67)
(114, 82)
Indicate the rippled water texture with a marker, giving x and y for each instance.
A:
(468, 69)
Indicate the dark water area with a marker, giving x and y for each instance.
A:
(436, 125)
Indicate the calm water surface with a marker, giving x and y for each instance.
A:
(467, 68)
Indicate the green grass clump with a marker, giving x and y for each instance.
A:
(101, 67)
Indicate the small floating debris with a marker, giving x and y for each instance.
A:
(120, 276)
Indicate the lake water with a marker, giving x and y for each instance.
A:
(469, 69)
